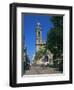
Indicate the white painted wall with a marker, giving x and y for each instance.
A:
(4, 43)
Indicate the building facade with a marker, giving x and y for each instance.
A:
(48, 57)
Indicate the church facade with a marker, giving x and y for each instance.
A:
(48, 57)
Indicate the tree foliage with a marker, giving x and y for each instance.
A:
(40, 53)
(55, 36)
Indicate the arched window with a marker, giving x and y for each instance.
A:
(46, 58)
(38, 33)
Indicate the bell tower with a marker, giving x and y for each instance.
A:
(38, 36)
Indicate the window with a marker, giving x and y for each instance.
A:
(38, 33)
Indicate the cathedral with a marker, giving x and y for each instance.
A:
(40, 44)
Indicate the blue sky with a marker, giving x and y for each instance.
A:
(29, 34)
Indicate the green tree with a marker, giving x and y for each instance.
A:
(40, 53)
(55, 36)
(55, 41)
